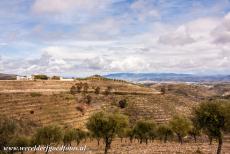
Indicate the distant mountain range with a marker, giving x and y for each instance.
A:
(167, 77)
(7, 76)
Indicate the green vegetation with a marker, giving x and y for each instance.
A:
(20, 141)
(107, 126)
(41, 77)
(123, 103)
(210, 119)
(55, 78)
(213, 118)
(164, 131)
(181, 126)
(8, 129)
(97, 90)
(35, 94)
(108, 90)
(48, 135)
(69, 137)
(144, 131)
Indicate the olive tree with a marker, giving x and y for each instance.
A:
(180, 126)
(48, 135)
(145, 130)
(107, 126)
(20, 141)
(8, 128)
(164, 131)
(213, 118)
(79, 135)
(69, 136)
(194, 132)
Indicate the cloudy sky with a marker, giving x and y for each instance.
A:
(84, 37)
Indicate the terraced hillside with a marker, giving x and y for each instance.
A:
(45, 102)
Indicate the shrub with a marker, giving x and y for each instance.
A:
(97, 90)
(55, 78)
(34, 94)
(85, 87)
(108, 90)
(73, 90)
(41, 77)
(123, 103)
(81, 108)
(87, 99)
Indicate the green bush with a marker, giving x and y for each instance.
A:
(34, 94)
(41, 77)
(123, 103)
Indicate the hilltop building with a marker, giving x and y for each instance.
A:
(24, 78)
(66, 79)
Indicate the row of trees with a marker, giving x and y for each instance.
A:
(84, 87)
(211, 119)
(47, 136)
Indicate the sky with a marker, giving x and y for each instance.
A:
(86, 37)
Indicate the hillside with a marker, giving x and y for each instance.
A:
(45, 102)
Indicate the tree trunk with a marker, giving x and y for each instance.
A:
(141, 141)
(47, 150)
(180, 138)
(131, 140)
(98, 142)
(220, 143)
(165, 138)
(194, 136)
(210, 140)
(146, 141)
(107, 144)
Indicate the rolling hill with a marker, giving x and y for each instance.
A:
(7, 76)
(161, 77)
(46, 102)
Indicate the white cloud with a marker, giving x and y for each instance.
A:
(222, 32)
(104, 29)
(138, 38)
(145, 9)
(63, 6)
(179, 37)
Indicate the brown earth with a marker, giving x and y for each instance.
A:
(50, 102)
(155, 147)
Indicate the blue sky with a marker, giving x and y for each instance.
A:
(84, 37)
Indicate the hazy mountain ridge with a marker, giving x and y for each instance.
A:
(7, 76)
(139, 77)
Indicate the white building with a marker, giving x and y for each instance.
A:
(22, 78)
(66, 79)
(25, 78)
